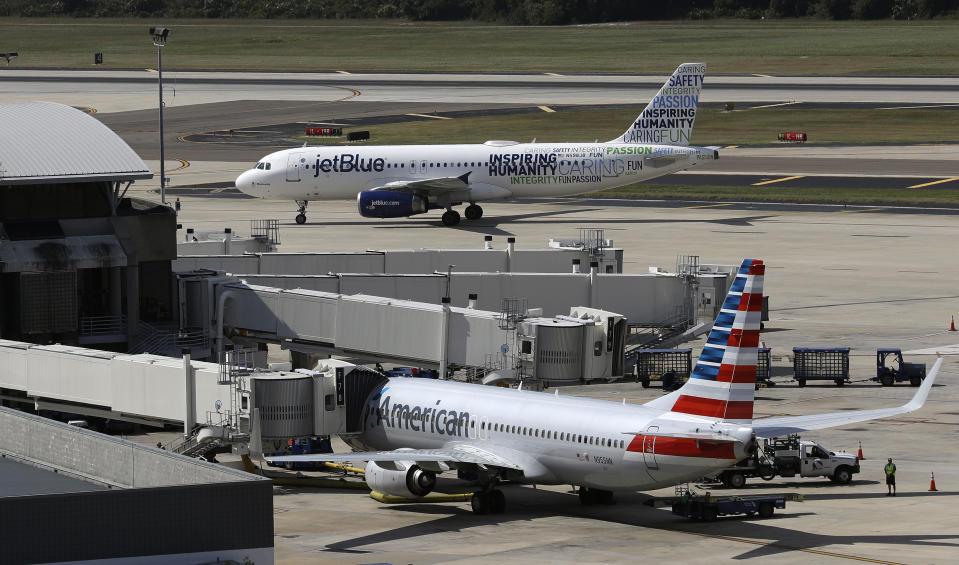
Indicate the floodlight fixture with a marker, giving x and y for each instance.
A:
(159, 35)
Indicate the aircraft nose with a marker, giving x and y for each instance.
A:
(244, 183)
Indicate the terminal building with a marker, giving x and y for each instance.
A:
(80, 262)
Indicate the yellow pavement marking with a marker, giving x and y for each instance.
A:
(183, 164)
(777, 180)
(150, 70)
(706, 206)
(553, 74)
(774, 105)
(933, 182)
(762, 75)
(546, 109)
(344, 72)
(858, 211)
(429, 116)
(730, 147)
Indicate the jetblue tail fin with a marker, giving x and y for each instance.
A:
(723, 383)
(669, 116)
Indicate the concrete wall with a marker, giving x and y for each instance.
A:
(103, 458)
(403, 261)
(170, 525)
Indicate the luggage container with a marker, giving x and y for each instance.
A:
(671, 366)
(821, 364)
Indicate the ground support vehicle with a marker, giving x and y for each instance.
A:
(788, 457)
(821, 364)
(891, 369)
(413, 372)
(304, 446)
(708, 507)
(671, 366)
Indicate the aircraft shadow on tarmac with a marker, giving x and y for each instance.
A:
(490, 225)
(535, 504)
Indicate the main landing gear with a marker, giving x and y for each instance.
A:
(491, 501)
(451, 217)
(301, 217)
(590, 496)
(473, 212)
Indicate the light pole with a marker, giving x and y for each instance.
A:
(159, 39)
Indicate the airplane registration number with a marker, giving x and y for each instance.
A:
(602, 460)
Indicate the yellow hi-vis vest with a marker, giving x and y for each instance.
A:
(890, 470)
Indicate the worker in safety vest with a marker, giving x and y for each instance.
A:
(890, 470)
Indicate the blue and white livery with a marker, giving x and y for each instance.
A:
(397, 181)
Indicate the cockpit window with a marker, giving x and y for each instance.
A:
(268, 166)
(259, 166)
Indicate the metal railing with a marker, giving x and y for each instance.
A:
(93, 326)
(266, 229)
(155, 340)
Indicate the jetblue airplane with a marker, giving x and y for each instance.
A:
(398, 181)
(416, 428)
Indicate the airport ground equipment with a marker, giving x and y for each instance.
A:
(763, 365)
(821, 364)
(671, 366)
(708, 507)
(891, 369)
(304, 446)
(412, 372)
(791, 456)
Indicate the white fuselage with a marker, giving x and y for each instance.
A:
(556, 439)
(495, 169)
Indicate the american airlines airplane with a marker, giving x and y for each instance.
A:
(397, 181)
(416, 428)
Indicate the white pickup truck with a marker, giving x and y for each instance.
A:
(788, 457)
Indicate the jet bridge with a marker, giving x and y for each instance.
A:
(428, 335)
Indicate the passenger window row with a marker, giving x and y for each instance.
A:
(552, 435)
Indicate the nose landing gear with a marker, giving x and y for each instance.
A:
(301, 217)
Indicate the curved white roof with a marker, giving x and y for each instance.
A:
(44, 142)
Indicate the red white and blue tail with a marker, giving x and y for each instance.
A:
(723, 383)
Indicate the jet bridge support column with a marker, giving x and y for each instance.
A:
(189, 404)
(445, 337)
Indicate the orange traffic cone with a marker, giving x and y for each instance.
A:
(932, 482)
(859, 456)
(952, 325)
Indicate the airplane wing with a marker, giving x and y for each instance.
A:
(456, 453)
(431, 186)
(775, 427)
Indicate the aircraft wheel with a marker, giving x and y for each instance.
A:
(301, 219)
(737, 480)
(497, 502)
(480, 503)
(451, 218)
(473, 212)
(586, 496)
(710, 513)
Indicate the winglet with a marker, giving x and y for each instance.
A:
(775, 427)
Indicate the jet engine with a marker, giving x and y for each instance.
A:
(389, 204)
(405, 479)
